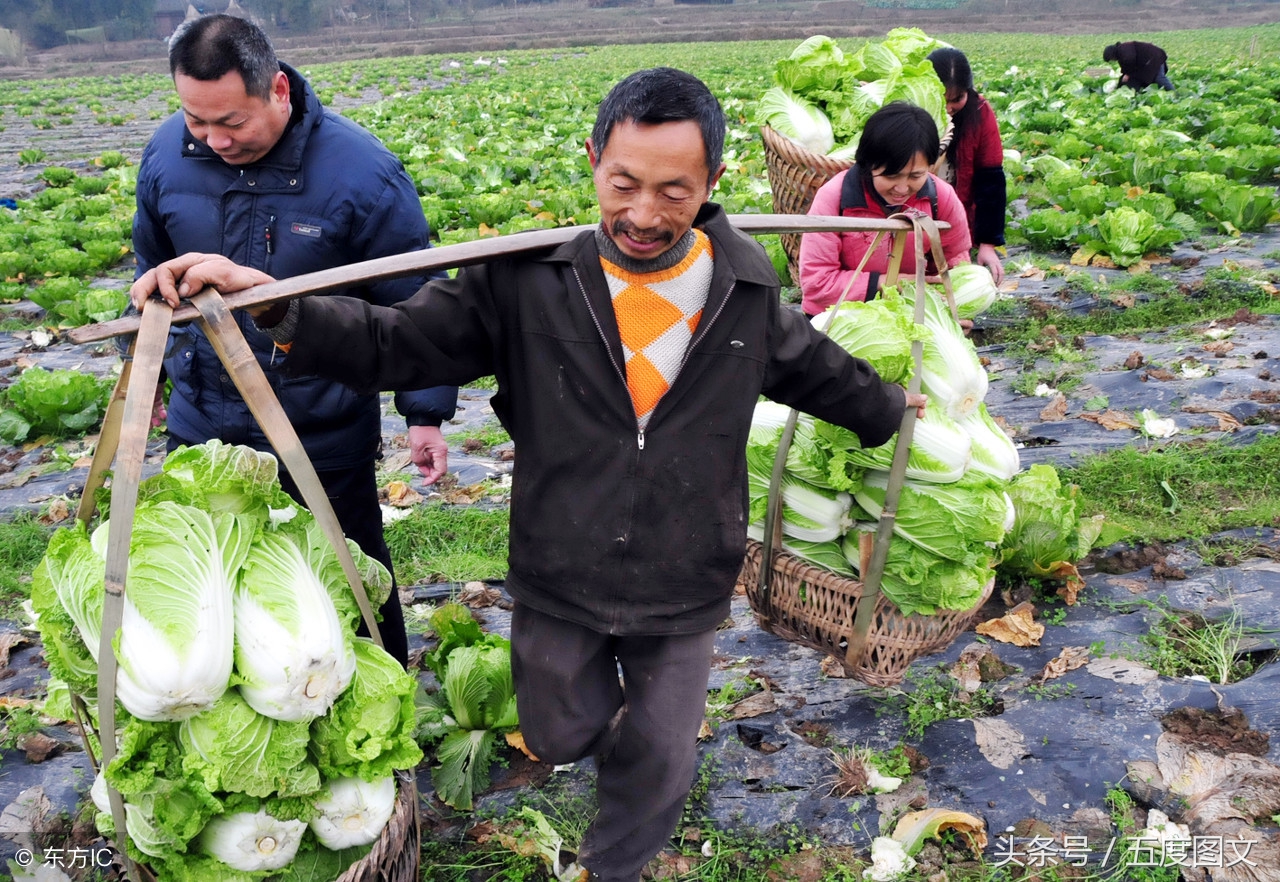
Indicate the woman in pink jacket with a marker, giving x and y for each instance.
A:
(890, 174)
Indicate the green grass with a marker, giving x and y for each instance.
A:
(1182, 491)
(934, 695)
(22, 544)
(484, 438)
(1161, 304)
(449, 544)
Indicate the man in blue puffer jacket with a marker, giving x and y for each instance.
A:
(254, 168)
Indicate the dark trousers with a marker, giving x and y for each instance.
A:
(353, 493)
(643, 731)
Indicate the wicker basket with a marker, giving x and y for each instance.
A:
(816, 608)
(398, 851)
(396, 854)
(795, 174)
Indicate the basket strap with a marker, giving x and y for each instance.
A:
(108, 439)
(149, 347)
(930, 227)
(773, 507)
(873, 572)
(243, 368)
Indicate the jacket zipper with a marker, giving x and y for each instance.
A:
(617, 369)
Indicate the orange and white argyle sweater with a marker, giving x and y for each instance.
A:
(657, 304)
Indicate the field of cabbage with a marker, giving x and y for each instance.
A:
(1097, 176)
(494, 144)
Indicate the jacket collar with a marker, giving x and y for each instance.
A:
(733, 249)
(307, 114)
(854, 190)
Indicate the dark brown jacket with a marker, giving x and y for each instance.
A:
(622, 531)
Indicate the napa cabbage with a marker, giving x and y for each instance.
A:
(475, 704)
(66, 599)
(293, 656)
(253, 840)
(939, 453)
(174, 647)
(164, 808)
(368, 733)
(231, 747)
(848, 88)
(992, 451)
(828, 555)
(973, 288)
(949, 520)
(879, 331)
(219, 477)
(921, 582)
(798, 118)
(195, 761)
(951, 374)
(1048, 535)
(353, 812)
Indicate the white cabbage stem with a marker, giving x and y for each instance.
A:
(252, 841)
(353, 812)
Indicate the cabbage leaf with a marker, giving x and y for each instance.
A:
(368, 733)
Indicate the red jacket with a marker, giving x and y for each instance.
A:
(978, 164)
(827, 260)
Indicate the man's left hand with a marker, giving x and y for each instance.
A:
(429, 452)
(191, 273)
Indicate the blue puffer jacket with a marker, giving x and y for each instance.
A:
(328, 194)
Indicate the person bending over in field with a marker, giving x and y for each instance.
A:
(1141, 64)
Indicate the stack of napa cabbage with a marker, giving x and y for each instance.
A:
(823, 97)
(953, 511)
(259, 735)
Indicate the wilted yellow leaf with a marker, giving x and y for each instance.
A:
(401, 495)
(516, 740)
(1069, 659)
(753, 706)
(1018, 626)
(1055, 409)
(913, 828)
(486, 230)
(1110, 420)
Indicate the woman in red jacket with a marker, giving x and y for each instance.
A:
(890, 174)
(974, 157)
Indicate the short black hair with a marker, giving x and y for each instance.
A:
(1111, 53)
(893, 135)
(660, 95)
(212, 46)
